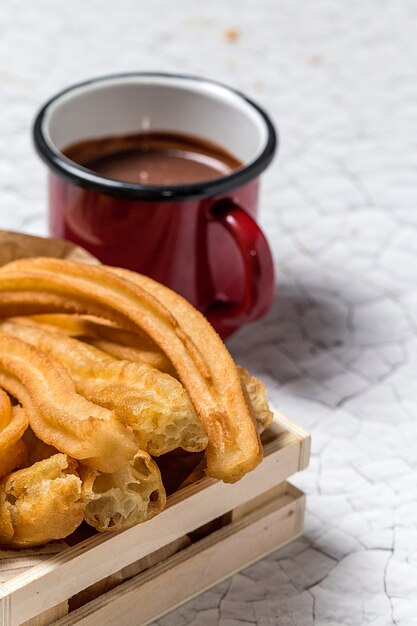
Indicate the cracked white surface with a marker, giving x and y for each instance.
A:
(339, 348)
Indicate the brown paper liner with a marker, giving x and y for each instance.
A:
(17, 246)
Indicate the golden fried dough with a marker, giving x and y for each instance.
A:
(200, 358)
(13, 423)
(5, 410)
(234, 447)
(117, 342)
(129, 346)
(57, 414)
(256, 391)
(154, 404)
(129, 496)
(41, 503)
(155, 358)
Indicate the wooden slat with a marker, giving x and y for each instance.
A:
(298, 431)
(50, 616)
(14, 562)
(197, 568)
(256, 503)
(103, 586)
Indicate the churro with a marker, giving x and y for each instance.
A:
(200, 358)
(57, 414)
(116, 342)
(41, 503)
(154, 404)
(256, 391)
(131, 346)
(131, 495)
(13, 423)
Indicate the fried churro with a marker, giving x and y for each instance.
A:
(154, 404)
(57, 414)
(13, 423)
(131, 346)
(40, 503)
(131, 495)
(256, 391)
(116, 342)
(200, 358)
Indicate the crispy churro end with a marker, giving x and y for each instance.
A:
(41, 503)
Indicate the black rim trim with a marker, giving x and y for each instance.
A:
(85, 178)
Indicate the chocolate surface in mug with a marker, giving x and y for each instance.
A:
(157, 158)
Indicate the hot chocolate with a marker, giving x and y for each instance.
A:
(154, 158)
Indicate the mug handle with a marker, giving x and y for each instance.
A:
(259, 280)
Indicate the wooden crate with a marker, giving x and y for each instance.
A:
(208, 531)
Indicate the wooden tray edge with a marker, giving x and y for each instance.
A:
(285, 516)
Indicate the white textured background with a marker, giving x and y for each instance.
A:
(338, 351)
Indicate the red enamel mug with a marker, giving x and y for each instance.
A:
(200, 239)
